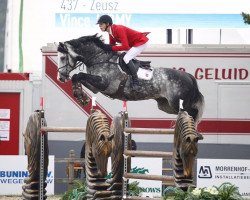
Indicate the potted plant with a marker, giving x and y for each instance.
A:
(225, 191)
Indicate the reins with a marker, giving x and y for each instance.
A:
(78, 63)
(103, 62)
(87, 62)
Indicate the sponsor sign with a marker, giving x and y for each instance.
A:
(4, 113)
(13, 171)
(214, 172)
(150, 166)
(4, 130)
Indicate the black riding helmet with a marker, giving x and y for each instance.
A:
(105, 19)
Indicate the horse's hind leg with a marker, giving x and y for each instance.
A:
(193, 112)
(172, 107)
(163, 104)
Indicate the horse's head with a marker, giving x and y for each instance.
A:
(67, 60)
(82, 49)
(101, 150)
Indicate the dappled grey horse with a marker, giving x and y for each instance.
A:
(105, 74)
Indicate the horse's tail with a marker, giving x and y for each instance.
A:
(197, 102)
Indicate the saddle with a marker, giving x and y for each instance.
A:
(138, 64)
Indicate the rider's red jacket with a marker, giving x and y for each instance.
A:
(127, 37)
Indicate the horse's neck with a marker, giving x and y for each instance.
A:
(100, 57)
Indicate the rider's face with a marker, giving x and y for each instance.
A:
(103, 26)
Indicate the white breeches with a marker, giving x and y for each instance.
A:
(133, 52)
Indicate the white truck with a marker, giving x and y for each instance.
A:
(223, 75)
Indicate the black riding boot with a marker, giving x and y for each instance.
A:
(135, 82)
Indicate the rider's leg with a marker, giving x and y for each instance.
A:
(132, 53)
(133, 72)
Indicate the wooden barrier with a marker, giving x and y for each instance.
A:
(149, 177)
(64, 129)
(133, 153)
(148, 131)
(157, 154)
(128, 130)
(127, 153)
(166, 179)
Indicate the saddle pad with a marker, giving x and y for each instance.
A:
(145, 74)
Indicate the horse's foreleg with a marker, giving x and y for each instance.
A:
(75, 81)
(78, 92)
(89, 80)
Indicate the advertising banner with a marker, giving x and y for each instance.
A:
(214, 172)
(13, 171)
(149, 166)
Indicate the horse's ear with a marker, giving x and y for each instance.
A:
(61, 48)
(60, 45)
(196, 139)
(110, 137)
(200, 137)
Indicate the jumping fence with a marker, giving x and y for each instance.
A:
(135, 153)
(127, 154)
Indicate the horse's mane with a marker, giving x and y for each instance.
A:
(97, 40)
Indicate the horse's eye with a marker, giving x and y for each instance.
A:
(62, 58)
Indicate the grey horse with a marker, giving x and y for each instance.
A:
(105, 74)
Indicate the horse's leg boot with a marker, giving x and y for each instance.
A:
(135, 82)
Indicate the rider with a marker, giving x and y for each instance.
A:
(132, 41)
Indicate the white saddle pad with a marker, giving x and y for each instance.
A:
(145, 74)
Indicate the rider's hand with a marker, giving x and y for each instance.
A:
(107, 47)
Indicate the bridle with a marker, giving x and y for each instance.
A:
(64, 49)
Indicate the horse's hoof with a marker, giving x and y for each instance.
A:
(83, 103)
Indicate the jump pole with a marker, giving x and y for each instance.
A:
(64, 129)
(127, 130)
(148, 131)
